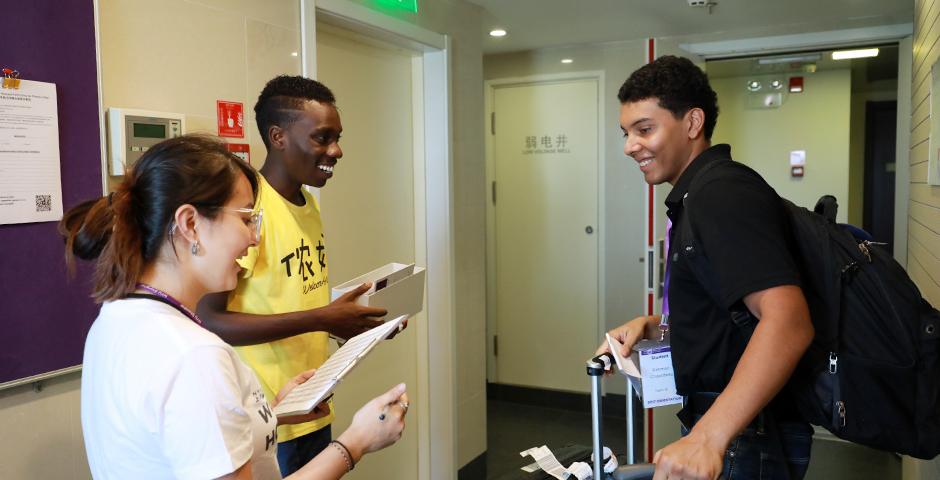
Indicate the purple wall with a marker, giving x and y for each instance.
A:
(44, 316)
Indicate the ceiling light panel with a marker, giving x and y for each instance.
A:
(860, 53)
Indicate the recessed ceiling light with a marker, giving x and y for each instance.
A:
(753, 85)
(497, 32)
(566, 60)
(776, 84)
(861, 53)
(293, 54)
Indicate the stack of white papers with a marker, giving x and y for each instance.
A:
(303, 398)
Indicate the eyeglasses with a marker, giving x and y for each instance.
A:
(254, 219)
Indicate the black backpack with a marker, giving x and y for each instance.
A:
(872, 373)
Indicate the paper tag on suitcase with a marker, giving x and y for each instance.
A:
(657, 376)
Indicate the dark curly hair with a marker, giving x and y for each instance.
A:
(282, 97)
(679, 86)
(126, 230)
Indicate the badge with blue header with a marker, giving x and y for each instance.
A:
(649, 370)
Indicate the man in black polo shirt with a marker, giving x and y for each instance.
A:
(730, 371)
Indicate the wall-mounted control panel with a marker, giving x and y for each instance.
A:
(132, 132)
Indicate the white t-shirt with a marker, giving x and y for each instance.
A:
(163, 397)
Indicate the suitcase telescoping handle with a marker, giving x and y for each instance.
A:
(595, 369)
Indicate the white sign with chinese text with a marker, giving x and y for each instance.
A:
(30, 176)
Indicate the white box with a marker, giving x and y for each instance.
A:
(396, 287)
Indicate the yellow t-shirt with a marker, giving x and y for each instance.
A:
(286, 272)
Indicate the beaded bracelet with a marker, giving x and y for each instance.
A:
(345, 453)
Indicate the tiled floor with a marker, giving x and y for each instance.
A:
(512, 428)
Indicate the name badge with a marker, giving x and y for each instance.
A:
(656, 374)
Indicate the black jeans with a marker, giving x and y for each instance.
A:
(293, 454)
(766, 450)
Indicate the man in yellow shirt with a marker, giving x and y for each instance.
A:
(279, 316)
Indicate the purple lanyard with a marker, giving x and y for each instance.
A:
(172, 301)
(664, 322)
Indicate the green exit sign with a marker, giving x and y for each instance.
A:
(410, 5)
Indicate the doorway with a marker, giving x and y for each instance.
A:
(401, 201)
(542, 239)
(880, 139)
(369, 209)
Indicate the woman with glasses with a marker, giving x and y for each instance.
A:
(163, 397)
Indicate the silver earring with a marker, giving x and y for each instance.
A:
(195, 248)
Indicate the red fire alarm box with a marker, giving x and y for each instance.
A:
(241, 150)
(231, 119)
(796, 84)
(796, 171)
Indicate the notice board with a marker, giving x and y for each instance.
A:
(45, 315)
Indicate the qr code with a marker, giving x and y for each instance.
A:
(43, 203)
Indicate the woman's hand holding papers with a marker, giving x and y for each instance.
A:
(368, 433)
(344, 318)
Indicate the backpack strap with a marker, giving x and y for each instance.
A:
(740, 315)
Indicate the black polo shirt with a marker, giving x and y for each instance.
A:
(741, 247)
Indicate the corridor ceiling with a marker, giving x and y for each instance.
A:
(534, 24)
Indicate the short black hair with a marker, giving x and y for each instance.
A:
(283, 96)
(677, 84)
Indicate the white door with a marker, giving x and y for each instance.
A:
(369, 214)
(545, 154)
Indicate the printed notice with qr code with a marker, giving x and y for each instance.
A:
(31, 184)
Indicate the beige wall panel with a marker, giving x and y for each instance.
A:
(922, 31)
(182, 56)
(929, 242)
(928, 40)
(923, 11)
(919, 153)
(470, 428)
(172, 56)
(269, 52)
(920, 112)
(923, 215)
(926, 194)
(920, 133)
(929, 37)
(925, 282)
(921, 90)
(924, 123)
(922, 80)
(43, 431)
(816, 121)
(279, 12)
(919, 173)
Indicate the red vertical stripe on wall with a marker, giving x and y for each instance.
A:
(650, 56)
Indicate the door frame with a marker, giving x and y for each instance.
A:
(489, 98)
(436, 421)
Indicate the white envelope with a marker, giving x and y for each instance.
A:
(396, 287)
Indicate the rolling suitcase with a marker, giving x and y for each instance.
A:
(639, 471)
(580, 453)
